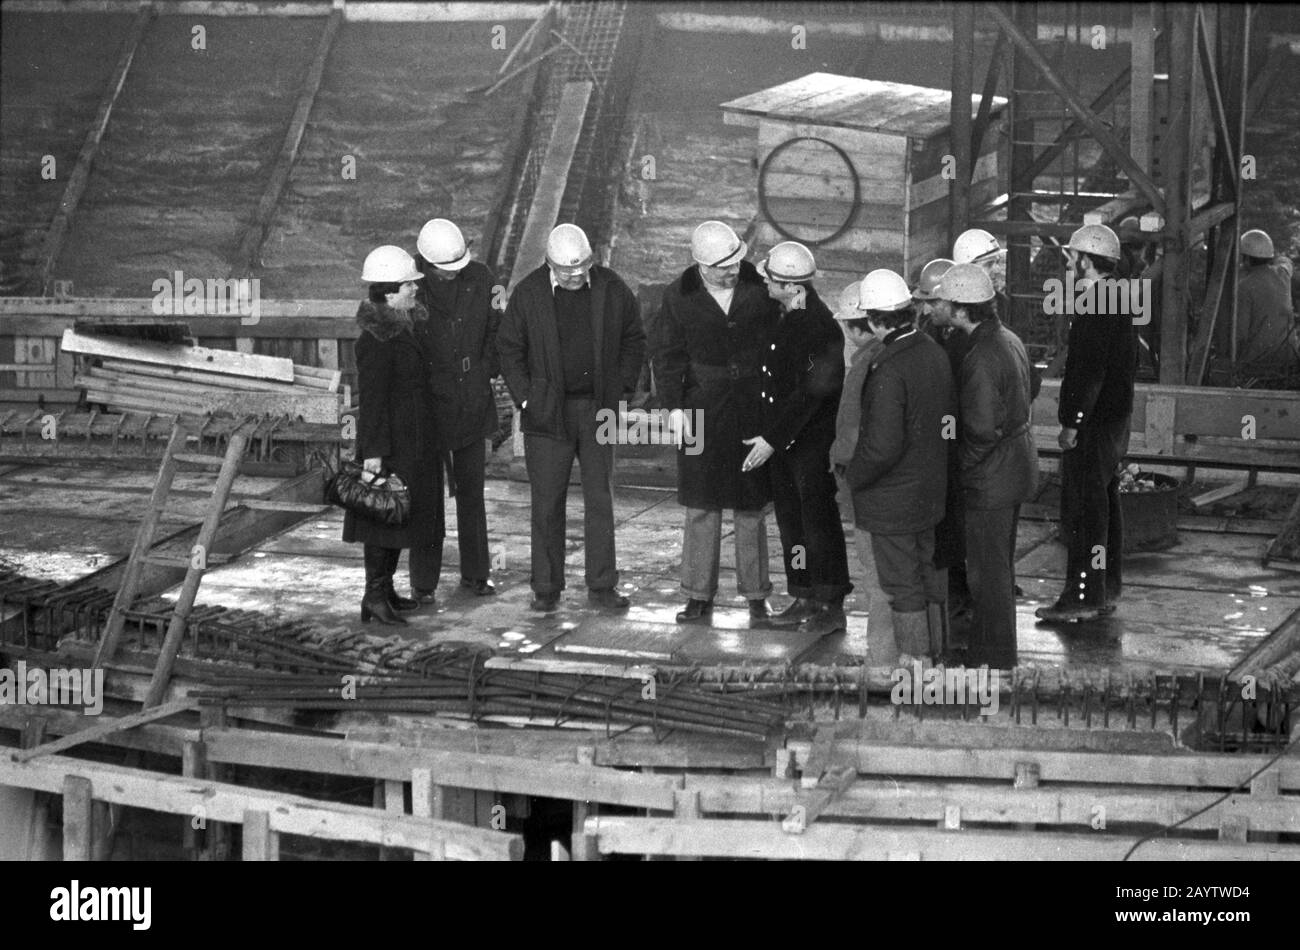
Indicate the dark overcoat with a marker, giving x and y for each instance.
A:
(693, 347)
(396, 423)
(529, 344)
(898, 475)
(999, 462)
(461, 341)
(805, 376)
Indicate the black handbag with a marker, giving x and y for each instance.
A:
(379, 498)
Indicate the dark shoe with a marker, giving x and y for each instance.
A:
(379, 582)
(830, 619)
(758, 609)
(695, 610)
(482, 588)
(545, 603)
(425, 596)
(1059, 612)
(609, 599)
(796, 613)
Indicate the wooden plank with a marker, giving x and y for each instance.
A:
(187, 357)
(78, 816)
(77, 181)
(761, 839)
(788, 94)
(260, 842)
(876, 157)
(1160, 414)
(41, 351)
(1218, 494)
(289, 814)
(936, 188)
(106, 727)
(494, 773)
(248, 256)
(549, 192)
(1074, 805)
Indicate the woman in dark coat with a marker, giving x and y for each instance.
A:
(395, 431)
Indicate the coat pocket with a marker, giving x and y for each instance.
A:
(543, 406)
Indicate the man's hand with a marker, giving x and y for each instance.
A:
(679, 426)
(1068, 439)
(759, 454)
(373, 466)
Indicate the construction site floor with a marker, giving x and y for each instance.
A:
(1200, 605)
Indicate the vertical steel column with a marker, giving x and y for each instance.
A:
(1235, 41)
(1141, 75)
(1177, 158)
(963, 69)
(1024, 78)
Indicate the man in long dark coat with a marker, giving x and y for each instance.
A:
(714, 329)
(571, 347)
(461, 341)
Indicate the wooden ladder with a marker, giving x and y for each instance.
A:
(195, 565)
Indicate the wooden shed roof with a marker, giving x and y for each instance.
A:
(849, 102)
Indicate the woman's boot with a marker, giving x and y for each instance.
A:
(394, 600)
(378, 577)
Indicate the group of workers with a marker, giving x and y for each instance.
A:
(926, 426)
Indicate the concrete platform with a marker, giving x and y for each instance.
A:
(1201, 605)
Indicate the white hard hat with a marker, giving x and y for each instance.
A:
(883, 290)
(971, 245)
(442, 245)
(568, 247)
(847, 307)
(1095, 239)
(715, 244)
(389, 264)
(1257, 244)
(965, 283)
(789, 262)
(929, 279)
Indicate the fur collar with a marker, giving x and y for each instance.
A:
(691, 280)
(384, 323)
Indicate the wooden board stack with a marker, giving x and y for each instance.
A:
(174, 378)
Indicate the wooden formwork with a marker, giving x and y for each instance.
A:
(837, 795)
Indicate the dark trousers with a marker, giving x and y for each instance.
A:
(991, 570)
(950, 535)
(469, 469)
(1091, 524)
(808, 518)
(905, 567)
(549, 462)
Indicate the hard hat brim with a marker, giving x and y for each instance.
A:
(457, 264)
(734, 257)
(761, 267)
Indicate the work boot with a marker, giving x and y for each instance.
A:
(379, 580)
(758, 609)
(695, 610)
(912, 633)
(608, 599)
(1061, 612)
(936, 617)
(829, 618)
(796, 613)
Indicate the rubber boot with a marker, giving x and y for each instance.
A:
(912, 633)
(378, 578)
(882, 650)
(936, 616)
(394, 601)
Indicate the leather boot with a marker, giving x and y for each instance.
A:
(394, 601)
(829, 619)
(796, 613)
(378, 579)
(912, 633)
(695, 610)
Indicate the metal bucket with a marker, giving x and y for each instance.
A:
(1151, 517)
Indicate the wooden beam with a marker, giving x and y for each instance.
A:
(1210, 75)
(106, 727)
(987, 94)
(276, 368)
(248, 256)
(1141, 72)
(260, 842)
(78, 816)
(289, 814)
(762, 839)
(963, 65)
(1081, 112)
(76, 188)
(1224, 253)
(1177, 162)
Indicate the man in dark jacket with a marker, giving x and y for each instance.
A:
(461, 340)
(1095, 405)
(571, 345)
(708, 346)
(897, 471)
(999, 463)
(804, 374)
